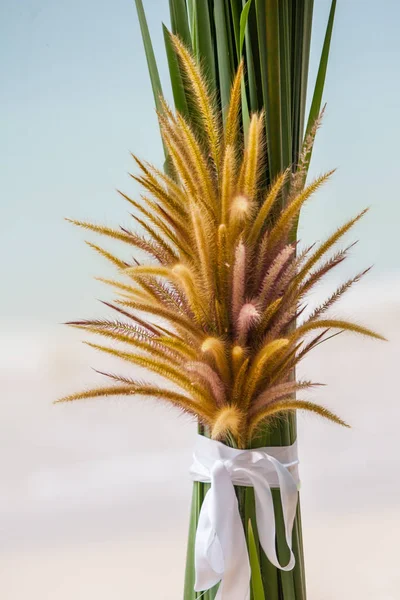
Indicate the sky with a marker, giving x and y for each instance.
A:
(75, 99)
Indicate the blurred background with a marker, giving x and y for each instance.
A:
(94, 496)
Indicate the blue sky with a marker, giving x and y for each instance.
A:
(75, 99)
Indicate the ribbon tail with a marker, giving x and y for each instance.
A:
(265, 513)
(289, 499)
(209, 563)
(221, 549)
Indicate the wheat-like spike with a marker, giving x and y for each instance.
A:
(172, 189)
(289, 276)
(172, 198)
(262, 357)
(135, 331)
(187, 301)
(174, 398)
(268, 314)
(223, 265)
(251, 162)
(331, 241)
(277, 266)
(182, 323)
(240, 382)
(178, 345)
(154, 270)
(228, 182)
(292, 210)
(248, 316)
(141, 207)
(290, 405)
(281, 370)
(300, 175)
(238, 356)
(202, 97)
(116, 284)
(166, 294)
(191, 169)
(282, 282)
(277, 392)
(338, 293)
(170, 252)
(160, 367)
(221, 318)
(122, 390)
(281, 324)
(160, 215)
(120, 264)
(316, 341)
(151, 329)
(198, 159)
(151, 248)
(205, 250)
(216, 348)
(266, 207)
(180, 163)
(261, 256)
(179, 227)
(315, 276)
(187, 281)
(238, 280)
(122, 236)
(149, 291)
(150, 345)
(232, 118)
(117, 377)
(335, 324)
(137, 295)
(207, 374)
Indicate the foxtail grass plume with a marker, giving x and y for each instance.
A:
(214, 309)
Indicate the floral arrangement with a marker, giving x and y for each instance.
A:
(217, 309)
(223, 293)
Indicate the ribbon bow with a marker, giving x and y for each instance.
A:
(220, 547)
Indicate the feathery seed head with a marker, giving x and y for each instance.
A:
(228, 420)
(238, 356)
(211, 345)
(240, 206)
(248, 316)
(237, 352)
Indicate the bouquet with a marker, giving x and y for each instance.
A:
(213, 305)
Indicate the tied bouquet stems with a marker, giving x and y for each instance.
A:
(212, 303)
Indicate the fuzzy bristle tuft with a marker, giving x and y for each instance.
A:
(227, 421)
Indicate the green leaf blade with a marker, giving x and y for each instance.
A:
(321, 76)
(180, 21)
(269, 46)
(150, 57)
(178, 89)
(225, 59)
(243, 24)
(203, 41)
(256, 578)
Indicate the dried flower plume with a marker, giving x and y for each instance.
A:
(214, 310)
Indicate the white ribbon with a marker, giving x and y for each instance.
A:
(220, 546)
